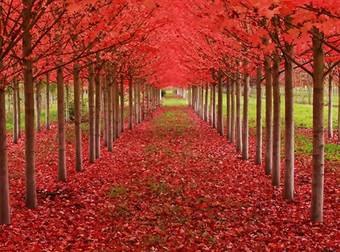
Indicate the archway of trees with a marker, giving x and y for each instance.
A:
(103, 64)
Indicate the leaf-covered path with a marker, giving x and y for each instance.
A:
(171, 183)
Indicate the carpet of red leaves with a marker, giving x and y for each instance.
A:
(171, 184)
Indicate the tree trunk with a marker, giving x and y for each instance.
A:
(47, 101)
(31, 195)
(238, 115)
(38, 105)
(232, 126)
(92, 153)
(228, 120)
(15, 112)
(19, 110)
(206, 103)
(116, 109)
(269, 114)
(289, 130)
(122, 104)
(276, 121)
(214, 105)
(330, 106)
(245, 128)
(77, 118)
(220, 105)
(318, 137)
(339, 108)
(130, 104)
(4, 183)
(106, 109)
(67, 111)
(258, 158)
(98, 108)
(110, 115)
(61, 126)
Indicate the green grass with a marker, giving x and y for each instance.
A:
(171, 101)
(304, 145)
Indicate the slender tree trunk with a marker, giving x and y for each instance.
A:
(110, 116)
(228, 120)
(339, 108)
(206, 103)
(210, 106)
(61, 126)
(289, 130)
(214, 105)
(31, 195)
(220, 106)
(269, 114)
(116, 109)
(258, 158)
(47, 101)
(122, 104)
(202, 102)
(67, 111)
(106, 109)
(318, 137)
(134, 97)
(77, 117)
(330, 106)
(15, 112)
(276, 122)
(4, 183)
(98, 108)
(92, 153)
(245, 128)
(130, 104)
(19, 110)
(38, 105)
(232, 126)
(238, 115)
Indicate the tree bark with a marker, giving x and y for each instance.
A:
(61, 126)
(4, 182)
(276, 121)
(220, 105)
(38, 105)
(339, 108)
(232, 126)
(31, 195)
(258, 157)
(77, 118)
(269, 114)
(116, 109)
(47, 101)
(19, 110)
(67, 111)
(289, 128)
(318, 137)
(238, 115)
(214, 105)
(105, 108)
(98, 108)
(130, 104)
(330, 106)
(206, 103)
(15, 112)
(92, 153)
(122, 104)
(110, 115)
(228, 119)
(245, 128)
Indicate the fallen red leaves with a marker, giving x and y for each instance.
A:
(172, 183)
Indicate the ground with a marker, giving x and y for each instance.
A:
(171, 184)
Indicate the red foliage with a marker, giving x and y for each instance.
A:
(175, 184)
